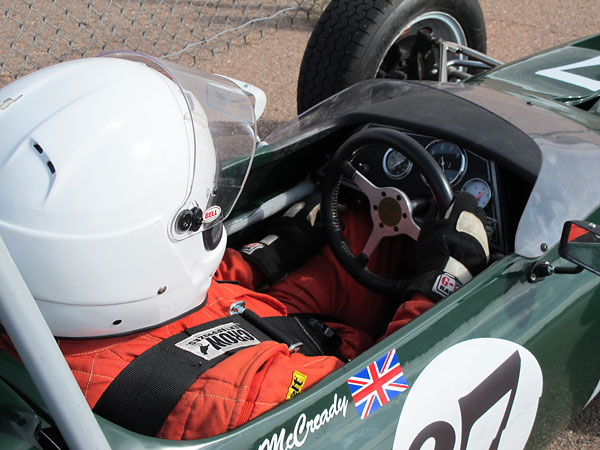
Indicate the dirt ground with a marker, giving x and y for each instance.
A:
(515, 29)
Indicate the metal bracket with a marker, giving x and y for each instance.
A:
(542, 269)
(539, 271)
(459, 49)
(237, 308)
(296, 347)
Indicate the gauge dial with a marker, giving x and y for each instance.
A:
(451, 158)
(480, 190)
(395, 164)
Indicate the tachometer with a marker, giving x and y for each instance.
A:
(480, 190)
(395, 164)
(451, 158)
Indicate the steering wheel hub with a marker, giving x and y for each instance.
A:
(389, 211)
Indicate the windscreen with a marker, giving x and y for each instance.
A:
(566, 187)
(557, 155)
(225, 152)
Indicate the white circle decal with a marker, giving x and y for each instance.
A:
(481, 393)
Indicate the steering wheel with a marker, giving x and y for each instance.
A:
(391, 209)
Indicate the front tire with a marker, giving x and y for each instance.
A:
(356, 40)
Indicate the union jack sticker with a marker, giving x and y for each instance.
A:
(377, 384)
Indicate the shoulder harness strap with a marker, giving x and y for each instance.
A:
(143, 395)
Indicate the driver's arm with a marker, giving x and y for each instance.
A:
(290, 241)
(234, 267)
(451, 250)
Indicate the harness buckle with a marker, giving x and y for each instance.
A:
(237, 307)
(294, 348)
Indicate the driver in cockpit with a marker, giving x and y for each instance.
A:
(124, 249)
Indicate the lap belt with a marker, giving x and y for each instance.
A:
(143, 395)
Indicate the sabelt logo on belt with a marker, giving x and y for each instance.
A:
(298, 380)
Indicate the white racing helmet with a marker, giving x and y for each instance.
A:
(116, 174)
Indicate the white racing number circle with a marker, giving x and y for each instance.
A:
(481, 393)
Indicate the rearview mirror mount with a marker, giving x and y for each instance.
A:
(579, 244)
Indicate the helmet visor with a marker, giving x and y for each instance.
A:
(216, 104)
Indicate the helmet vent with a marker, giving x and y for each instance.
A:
(49, 163)
(117, 322)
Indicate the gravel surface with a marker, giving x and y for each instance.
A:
(515, 29)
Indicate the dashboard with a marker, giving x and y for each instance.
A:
(465, 170)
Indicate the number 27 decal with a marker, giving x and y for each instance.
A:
(466, 397)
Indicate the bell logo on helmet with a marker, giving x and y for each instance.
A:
(211, 214)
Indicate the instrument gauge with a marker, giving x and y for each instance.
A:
(480, 190)
(451, 158)
(395, 164)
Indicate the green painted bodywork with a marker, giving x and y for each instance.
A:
(521, 80)
(556, 319)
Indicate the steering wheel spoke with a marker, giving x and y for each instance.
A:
(373, 241)
(362, 182)
(410, 228)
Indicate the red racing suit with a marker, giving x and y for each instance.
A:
(255, 379)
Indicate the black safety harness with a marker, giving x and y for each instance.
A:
(143, 395)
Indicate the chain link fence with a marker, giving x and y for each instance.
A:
(38, 33)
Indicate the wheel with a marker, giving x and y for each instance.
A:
(391, 209)
(356, 40)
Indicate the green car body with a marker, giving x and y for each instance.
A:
(554, 320)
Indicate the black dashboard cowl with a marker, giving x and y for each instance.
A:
(442, 114)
